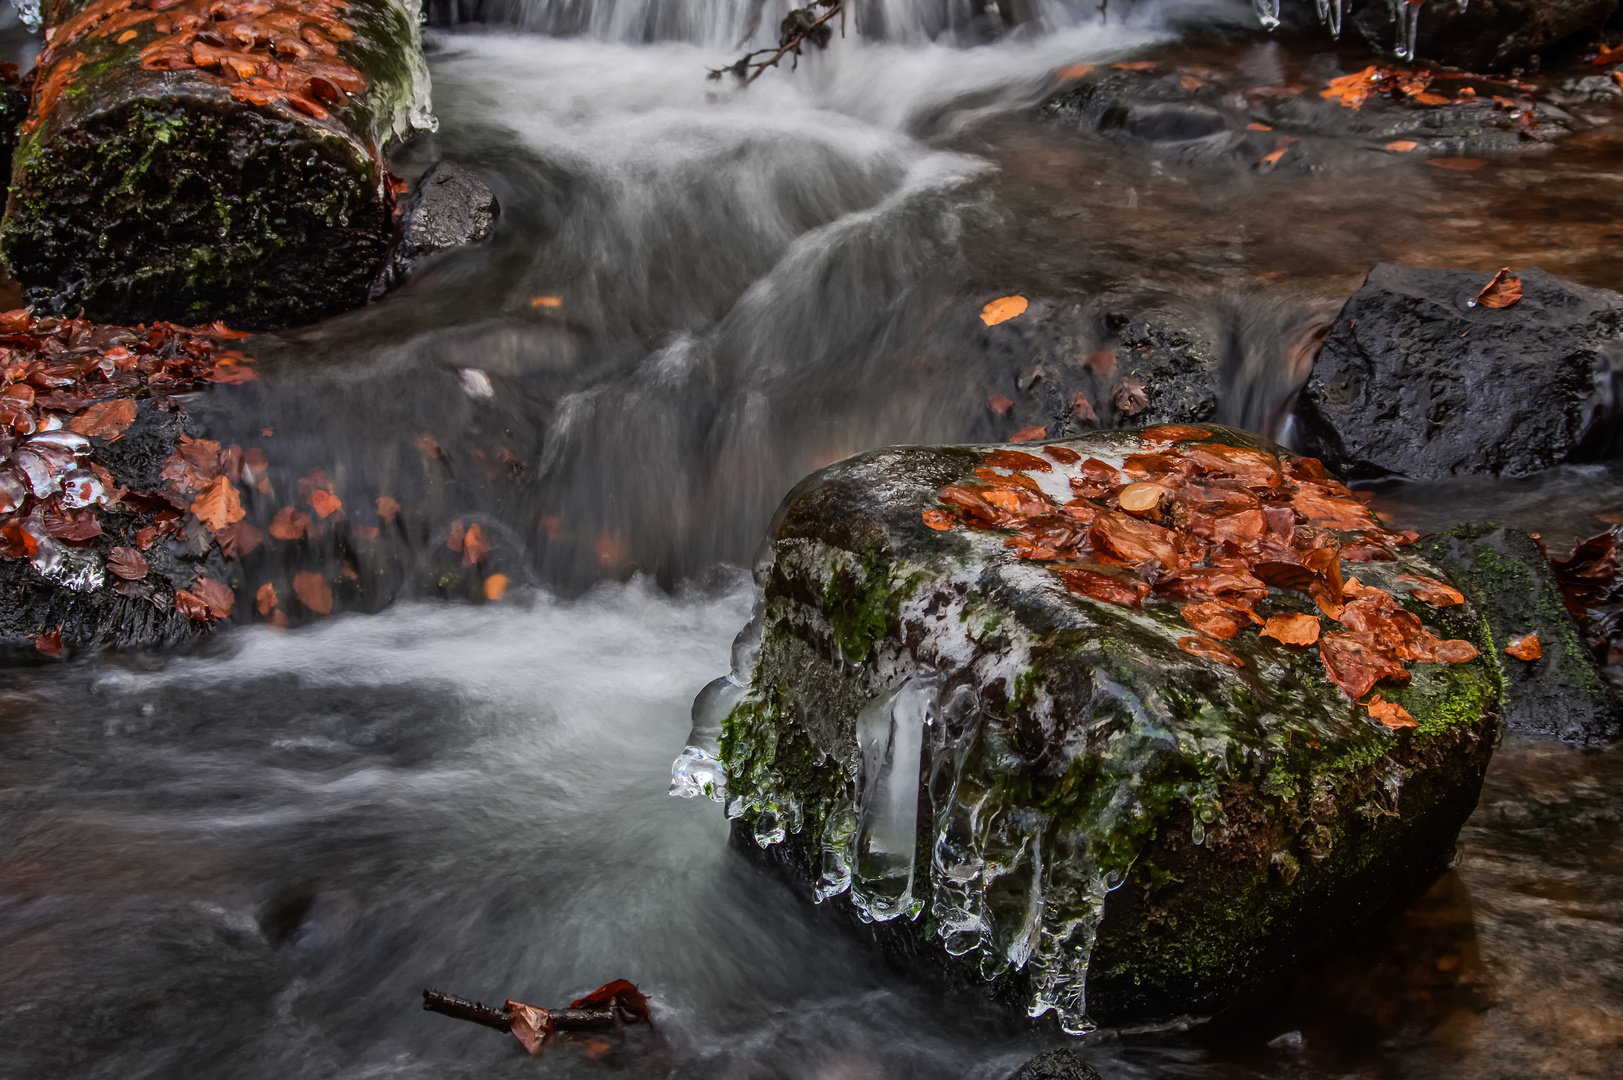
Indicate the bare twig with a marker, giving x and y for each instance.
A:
(799, 27)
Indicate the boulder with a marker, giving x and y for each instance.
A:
(1483, 35)
(1561, 693)
(1414, 381)
(195, 160)
(450, 207)
(1011, 707)
(1062, 1064)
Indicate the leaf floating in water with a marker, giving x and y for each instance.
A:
(1207, 649)
(1390, 713)
(1457, 164)
(1526, 647)
(313, 592)
(217, 505)
(1029, 434)
(1074, 71)
(1292, 629)
(1401, 146)
(495, 586)
(1501, 292)
(1003, 309)
(325, 503)
(939, 520)
(1000, 404)
(289, 523)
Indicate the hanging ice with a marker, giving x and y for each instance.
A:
(890, 740)
(698, 769)
(1330, 16)
(1406, 24)
(1267, 13)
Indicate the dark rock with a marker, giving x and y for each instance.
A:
(1413, 381)
(1064, 1064)
(1561, 695)
(450, 207)
(1484, 35)
(1047, 796)
(13, 107)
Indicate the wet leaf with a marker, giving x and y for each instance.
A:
(265, 598)
(495, 586)
(217, 505)
(474, 546)
(1207, 649)
(1501, 292)
(1215, 619)
(1390, 713)
(1292, 629)
(940, 520)
(49, 644)
(1002, 309)
(1357, 660)
(105, 420)
(1029, 434)
(1099, 585)
(365, 532)
(1526, 647)
(1020, 460)
(313, 591)
(1074, 71)
(387, 508)
(325, 502)
(1351, 90)
(1101, 363)
(1000, 404)
(1432, 591)
(1082, 409)
(1130, 397)
(628, 1001)
(529, 1025)
(1173, 433)
(1140, 497)
(127, 563)
(192, 606)
(546, 301)
(1456, 651)
(1062, 454)
(455, 536)
(216, 594)
(1401, 146)
(1457, 164)
(238, 539)
(290, 523)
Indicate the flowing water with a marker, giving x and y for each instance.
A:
(248, 861)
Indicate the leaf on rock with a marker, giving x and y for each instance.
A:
(192, 606)
(1029, 434)
(1132, 540)
(1207, 649)
(1074, 71)
(325, 502)
(216, 594)
(1390, 713)
(1401, 146)
(313, 591)
(474, 546)
(1457, 164)
(1003, 309)
(1174, 433)
(1432, 591)
(265, 598)
(1130, 397)
(1357, 660)
(1292, 629)
(1019, 460)
(127, 563)
(1526, 647)
(1456, 651)
(217, 505)
(1501, 292)
(49, 644)
(289, 523)
(1215, 619)
(495, 586)
(1062, 454)
(1099, 585)
(940, 520)
(105, 420)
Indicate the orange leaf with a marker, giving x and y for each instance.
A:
(1432, 591)
(1140, 497)
(546, 301)
(1457, 164)
(1029, 434)
(216, 594)
(192, 606)
(474, 547)
(1292, 629)
(313, 591)
(1137, 65)
(1000, 404)
(105, 420)
(387, 508)
(1501, 292)
(1002, 309)
(1430, 99)
(1390, 713)
(217, 504)
(938, 520)
(1207, 649)
(1254, 126)
(49, 644)
(1401, 146)
(289, 523)
(495, 586)
(1526, 647)
(1074, 71)
(1214, 618)
(325, 502)
(1273, 156)
(265, 598)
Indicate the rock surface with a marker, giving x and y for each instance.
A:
(1561, 694)
(450, 207)
(1414, 381)
(1065, 1064)
(1484, 35)
(1083, 802)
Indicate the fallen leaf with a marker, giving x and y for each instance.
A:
(387, 508)
(238, 539)
(628, 1001)
(529, 1025)
(1190, 83)
(1357, 660)
(127, 563)
(1029, 434)
(1002, 309)
(455, 535)
(49, 644)
(1526, 647)
(474, 546)
(1401, 146)
(495, 586)
(1426, 98)
(1351, 90)
(1074, 71)
(325, 502)
(1214, 618)
(365, 532)
(1254, 126)
(1130, 396)
(105, 420)
(217, 505)
(1019, 460)
(939, 520)
(1207, 649)
(192, 606)
(1132, 540)
(1062, 454)
(1137, 65)
(1167, 434)
(1082, 409)
(216, 594)
(1456, 651)
(1140, 497)
(1272, 157)
(1109, 588)
(1292, 629)
(265, 598)
(1390, 713)
(1501, 292)
(290, 523)
(313, 591)
(546, 301)
(1000, 404)
(1432, 591)
(1457, 164)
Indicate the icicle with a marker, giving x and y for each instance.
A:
(1408, 27)
(1267, 13)
(1330, 12)
(890, 739)
(697, 770)
(955, 865)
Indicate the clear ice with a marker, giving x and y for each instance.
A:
(1267, 13)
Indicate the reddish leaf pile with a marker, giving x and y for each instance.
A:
(1212, 528)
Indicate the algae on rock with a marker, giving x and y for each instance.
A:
(1051, 793)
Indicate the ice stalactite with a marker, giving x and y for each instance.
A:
(890, 739)
(698, 769)
(1267, 13)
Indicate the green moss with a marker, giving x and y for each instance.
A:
(861, 604)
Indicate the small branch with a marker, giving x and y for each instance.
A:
(437, 1001)
(795, 32)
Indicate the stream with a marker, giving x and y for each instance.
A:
(247, 860)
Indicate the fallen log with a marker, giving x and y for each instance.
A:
(193, 160)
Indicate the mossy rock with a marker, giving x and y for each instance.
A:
(1042, 793)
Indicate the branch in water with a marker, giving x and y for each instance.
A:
(801, 26)
(619, 1002)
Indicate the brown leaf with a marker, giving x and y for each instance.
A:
(1020, 461)
(1457, 164)
(1357, 660)
(940, 520)
(325, 502)
(313, 591)
(1132, 540)
(474, 546)
(1000, 404)
(289, 523)
(387, 508)
(455, 537)
(1215, 619)
(1432, 591)
(1456, 651)
(238, 539)
(49, 644)
(1140, 497)
(1002, 310)
(1526, 647)
(529, 1025)
(1062, 454)
(217, 505)
(1107, 587)
(1130, 396)
(1401, 146)
(1292, 629)
(127, 563)
(105, 420)
(1207, 649)
(192, 606)
(1173, 433)
(265, 598)
(217, 595)
(1101, 363)
(1390, 713)
(1501, 292)
(1029, 434)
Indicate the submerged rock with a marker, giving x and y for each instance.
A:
(1415, 381)
(1064, 1064)
(450, 207)
(1483, 35)
(1559, 694)
(1014, 709)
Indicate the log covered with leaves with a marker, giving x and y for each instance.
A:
(211, 159)
(116, 525)
(1116, 726)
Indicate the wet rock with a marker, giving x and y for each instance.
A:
(1484, 35)
(1051, 796)
(1561, 695)
(1414, 381)
(450, 207)
(1064, 1064)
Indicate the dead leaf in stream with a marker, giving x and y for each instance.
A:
(1292, 629)
(1526, 647)
(105, 420)
(1390, 713)
(1501, 292)
(1003, 309)
(313, 591)
(217, 505)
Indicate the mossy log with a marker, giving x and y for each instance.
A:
(212, 159)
